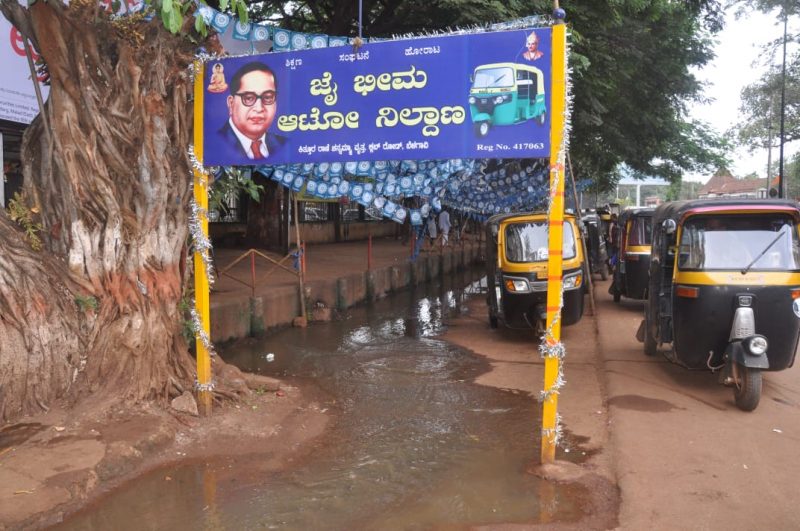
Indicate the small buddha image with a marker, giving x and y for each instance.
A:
(217, 83)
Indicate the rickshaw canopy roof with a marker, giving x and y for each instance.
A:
(676, 210)
(634, 212)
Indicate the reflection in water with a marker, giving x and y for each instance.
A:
(415, 444)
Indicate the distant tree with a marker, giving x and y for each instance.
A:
(761, 100)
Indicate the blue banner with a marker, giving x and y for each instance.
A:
(482, 95)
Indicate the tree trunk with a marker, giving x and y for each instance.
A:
(97, 309)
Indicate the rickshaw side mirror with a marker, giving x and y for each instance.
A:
(669, 226)
(494, 228)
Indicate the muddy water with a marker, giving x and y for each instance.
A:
(415, 443)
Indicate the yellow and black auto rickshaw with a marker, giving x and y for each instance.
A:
(633, 255)
(516, 261)
(724, 289)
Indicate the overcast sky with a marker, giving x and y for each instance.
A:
(739, 62)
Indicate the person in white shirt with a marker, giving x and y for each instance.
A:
(444, 226)
(432, 229)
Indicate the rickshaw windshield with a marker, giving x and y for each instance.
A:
(735, 242)
(494, 78)
(641, 231)
(527, 242)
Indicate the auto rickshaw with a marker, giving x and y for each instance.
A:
(725, 289)
(596, 245)
(633, 255)
(506, 94)
(516, 261)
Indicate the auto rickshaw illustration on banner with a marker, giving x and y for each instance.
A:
(516, 263)
(506, 94)
(724, 289)
(633, 257)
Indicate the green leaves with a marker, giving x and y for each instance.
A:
(174, 12)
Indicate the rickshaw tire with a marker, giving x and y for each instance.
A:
(542, 118)
(749, 394)
(650, 345)
(478, 128)
(617, 296)
(492, 321)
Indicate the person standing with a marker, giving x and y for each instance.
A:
(432, 229)
(444, 226)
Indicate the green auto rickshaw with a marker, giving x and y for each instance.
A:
(506, 94)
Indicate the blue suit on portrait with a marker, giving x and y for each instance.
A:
(230, 149)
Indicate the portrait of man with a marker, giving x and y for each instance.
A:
(252, 106)
(532, 51)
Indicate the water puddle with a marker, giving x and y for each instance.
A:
(414, 445)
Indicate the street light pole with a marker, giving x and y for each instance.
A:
(781, 179)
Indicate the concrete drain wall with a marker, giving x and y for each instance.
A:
(252, 316)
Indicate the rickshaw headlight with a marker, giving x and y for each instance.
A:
(500, 99)
(517, 285)
(756, 345)
(572, 281)
(472, 100)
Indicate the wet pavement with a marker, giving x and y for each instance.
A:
(414, 444)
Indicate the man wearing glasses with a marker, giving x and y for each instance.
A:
(252, 105)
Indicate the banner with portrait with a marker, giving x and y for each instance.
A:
(483, 95)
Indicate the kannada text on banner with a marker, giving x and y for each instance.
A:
(460, 96)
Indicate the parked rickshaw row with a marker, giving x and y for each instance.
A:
(721, 280)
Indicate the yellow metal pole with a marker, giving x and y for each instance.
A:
(201, 295)
(558, 98)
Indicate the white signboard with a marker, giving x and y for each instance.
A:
(17, 95)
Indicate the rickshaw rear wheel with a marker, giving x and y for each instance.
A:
(492, 321)
(617, 296)
(747, 391)
(541, 118)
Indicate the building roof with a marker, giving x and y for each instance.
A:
(723, 183)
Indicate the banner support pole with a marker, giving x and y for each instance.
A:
(555, 242)
(201, 281)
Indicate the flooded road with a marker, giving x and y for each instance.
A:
(414, 444)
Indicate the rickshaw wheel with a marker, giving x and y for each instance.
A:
(747, 391)
(492, 321)
(617, 296)
(481, 129)
(541, 118)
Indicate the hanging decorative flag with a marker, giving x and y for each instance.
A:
(281, 40)
(220, 22)
(319, 41)
(260, 33)
(337, 41)
(241, 31)
(207, 14)
(299, 41)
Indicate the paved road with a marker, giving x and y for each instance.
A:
(685, 456)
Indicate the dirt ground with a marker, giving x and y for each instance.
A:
(54, 464)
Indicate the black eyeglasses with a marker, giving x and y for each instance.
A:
(249, 98)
